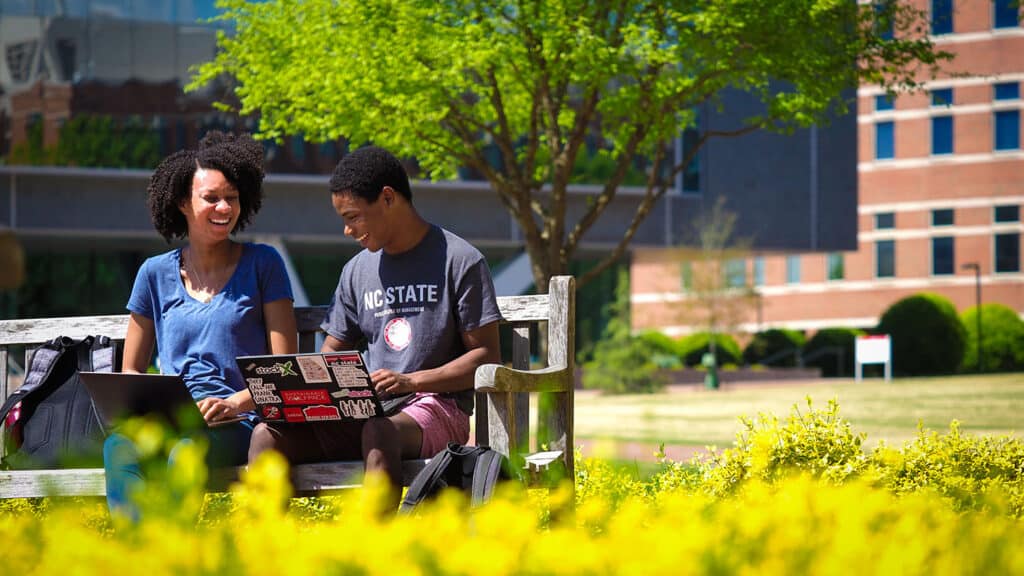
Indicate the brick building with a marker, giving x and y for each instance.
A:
(940, 187)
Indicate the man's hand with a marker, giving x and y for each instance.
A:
(217, 409)
(389, 383)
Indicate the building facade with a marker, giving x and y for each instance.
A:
(940, 180)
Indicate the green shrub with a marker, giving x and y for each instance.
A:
(1002, 342)
(666, 349)
(694, 346)
(771, 342)
(927, 335)
(970, 472)
(623, 366)
(839, 359)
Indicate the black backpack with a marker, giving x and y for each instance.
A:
(56, 424)
(472, 469)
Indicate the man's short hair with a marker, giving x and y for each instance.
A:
(365, 172)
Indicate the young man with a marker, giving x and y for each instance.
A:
(423, 300)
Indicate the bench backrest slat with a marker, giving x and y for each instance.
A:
(308, 318)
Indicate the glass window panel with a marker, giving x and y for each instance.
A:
(1006, 15)
(885, 259)
(942, 217)
(884, 141)
(759, 271)
(793, 269)
(942, 135)
(943, 261)
(942, 16)
(1008, 252)
(834, 263)
(1006, 91)
(885, 220)
(942, 97)
(883, 102)
(1007, 130)
(1008, 213)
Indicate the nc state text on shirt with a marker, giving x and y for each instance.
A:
(408, 294)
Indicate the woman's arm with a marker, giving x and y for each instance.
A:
(282, 333)
(138, 343)
(282, 338)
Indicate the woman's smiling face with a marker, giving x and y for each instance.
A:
(213, 208)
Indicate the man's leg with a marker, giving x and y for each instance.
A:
(302, 443)
(386, 441)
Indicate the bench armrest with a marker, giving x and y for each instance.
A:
(498, 378)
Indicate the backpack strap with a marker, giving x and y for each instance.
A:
(427, 481)
(41, 365)
(488, 470)
(102, 354)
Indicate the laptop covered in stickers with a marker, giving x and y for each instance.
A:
(313, 387)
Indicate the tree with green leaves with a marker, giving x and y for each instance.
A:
(539, 82)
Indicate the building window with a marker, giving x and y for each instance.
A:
(686, 276)
(884, 16)
(759, 271)
(834, 264)
(793, 269)
(736, 273)
(885, 221)
(1007, 130)
(942, 256)
(942, 97)
(1006, 91)
(1008, 252)
(884, 144)
(885, 259)
(1005, 13)
(942, 217)
(1008, 213)
(942, 16)
(883, 102)
(942, 135)
(691, 175)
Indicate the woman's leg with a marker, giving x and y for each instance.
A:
(123, 476)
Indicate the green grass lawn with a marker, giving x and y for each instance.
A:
(990, 405)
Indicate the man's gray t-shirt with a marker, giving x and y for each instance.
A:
(412, 308)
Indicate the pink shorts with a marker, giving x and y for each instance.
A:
(440, 420)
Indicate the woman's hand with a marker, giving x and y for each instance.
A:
(217, 409)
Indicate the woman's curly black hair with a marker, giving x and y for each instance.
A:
(239, 158)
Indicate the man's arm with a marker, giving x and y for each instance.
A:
(482, 347)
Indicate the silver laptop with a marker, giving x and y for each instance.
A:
(120, 395)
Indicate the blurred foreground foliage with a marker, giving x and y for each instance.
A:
(792, 496)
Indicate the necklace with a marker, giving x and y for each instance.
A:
(202, 294)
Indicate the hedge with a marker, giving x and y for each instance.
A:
(927, 335)
(771, 342)
(1002, 343)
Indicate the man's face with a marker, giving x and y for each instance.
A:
(366, 223)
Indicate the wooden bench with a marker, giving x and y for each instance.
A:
(502, 402)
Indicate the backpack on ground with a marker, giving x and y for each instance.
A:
(50, 419)
(472, 469)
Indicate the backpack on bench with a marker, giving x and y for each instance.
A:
(50, 420)
(472, 469)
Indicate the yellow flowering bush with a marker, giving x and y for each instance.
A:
(943, 504)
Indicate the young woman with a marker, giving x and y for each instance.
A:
(206, 303)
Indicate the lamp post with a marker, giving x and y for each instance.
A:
(977, 301)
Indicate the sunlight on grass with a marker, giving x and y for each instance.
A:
(885, 411)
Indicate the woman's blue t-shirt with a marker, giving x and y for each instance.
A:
(201, 341)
